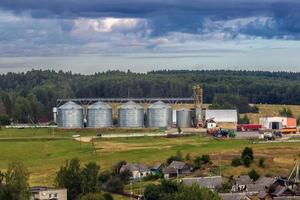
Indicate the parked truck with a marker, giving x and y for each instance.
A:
(289, 130)
(249, 127)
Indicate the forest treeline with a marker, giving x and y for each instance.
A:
(31, 95)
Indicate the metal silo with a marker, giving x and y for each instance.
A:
(184, 118)
(159, 115)
(99, 115)
(70, 115)
(131, 115)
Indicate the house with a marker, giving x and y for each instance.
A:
(210, 182)
(210, 123)
(157, 168)
(46, 193)
(282, 191)
(234, 196)
(241, 183)
(138, 170)
(177, 168)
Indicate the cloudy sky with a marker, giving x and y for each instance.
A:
(88, 36)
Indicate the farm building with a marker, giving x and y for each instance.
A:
(46, 193)
(138, 170)
(277, 122)
(223, 118)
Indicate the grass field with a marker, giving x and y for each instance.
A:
(43, 157)
(43, 150)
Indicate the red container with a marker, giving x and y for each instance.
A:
(249, 127)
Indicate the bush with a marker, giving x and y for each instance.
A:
(187, 157)
(92, 196)
(253, 175)
(104, 176)
(236, 162)
(177, 157)
(225, 187)
(114, 185)
(285, 112)
(261, 162)
(125, 176)
(205, 158)
(116, 168)
(244, 120)
(268, 174)
(247, 161)
(4, 120)
(108, 196)
(154, 176)
(152, 192)
(197, 163)
(247, 152)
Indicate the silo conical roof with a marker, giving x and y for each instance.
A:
(70, 105)
(99, 105)
(131, 105)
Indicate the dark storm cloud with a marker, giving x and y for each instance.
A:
(166, 16)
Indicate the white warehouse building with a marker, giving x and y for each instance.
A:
(221, 118)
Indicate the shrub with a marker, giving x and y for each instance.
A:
(187, 157)
(225, 187)
(261, 162)
(253, 175)
(197, 163)
(108, 196)
(236, 162)
(152, 192)
(247, 152)
(247, 161)
(205, 158)
(268, 174)
(114, 185)
(4, 120)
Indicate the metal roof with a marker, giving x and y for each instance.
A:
(70, 105)
(131, 105)
(210, 182)
(99, 105)
(222, 115)
(158, 105)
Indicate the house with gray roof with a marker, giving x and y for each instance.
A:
(47, 193)
(138, 170)
(210, 182)
(177, 168)
(241, 183)
(234, 196)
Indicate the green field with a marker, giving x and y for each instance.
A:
(44, 155)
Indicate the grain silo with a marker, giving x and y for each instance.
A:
(184, 118)
(159, 115)
(131, 115)
(70, 115)
(99, 115)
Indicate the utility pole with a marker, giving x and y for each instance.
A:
(131, 190)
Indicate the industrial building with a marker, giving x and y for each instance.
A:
(277, 123)
(221, 118)
(97, 113)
